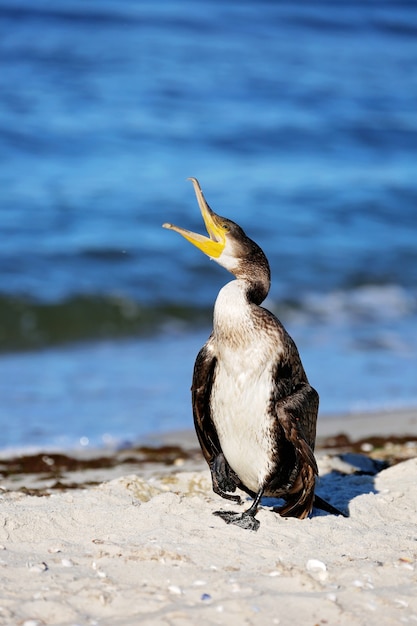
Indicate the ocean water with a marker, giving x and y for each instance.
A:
(300, 122)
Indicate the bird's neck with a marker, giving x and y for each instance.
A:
(236, 310)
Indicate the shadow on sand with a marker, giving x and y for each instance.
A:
(351, 475)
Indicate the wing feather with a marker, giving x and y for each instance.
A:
(203, 376)
(296, 407)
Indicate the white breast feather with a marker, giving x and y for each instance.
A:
(242, 387)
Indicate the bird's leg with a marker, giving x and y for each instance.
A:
(223, 478)
(246, 519)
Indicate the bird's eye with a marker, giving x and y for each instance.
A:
(225, 227)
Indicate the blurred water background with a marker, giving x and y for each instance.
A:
(300, 121)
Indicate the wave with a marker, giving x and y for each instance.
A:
(26, 324)
(365, 303)
(29, 324)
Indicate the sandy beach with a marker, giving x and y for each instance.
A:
(128, 537)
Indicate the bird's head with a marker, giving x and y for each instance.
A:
(226, 244)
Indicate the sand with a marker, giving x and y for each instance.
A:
(125, 548)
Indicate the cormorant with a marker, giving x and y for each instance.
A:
(254, 410)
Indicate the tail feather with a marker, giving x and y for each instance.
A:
(300, 503)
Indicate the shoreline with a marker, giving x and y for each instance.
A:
(389, 435)
(356, 425)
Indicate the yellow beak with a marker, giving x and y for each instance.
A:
(213, 245)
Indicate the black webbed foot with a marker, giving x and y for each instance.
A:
(247, 519)
(244, 520)
(224, 479)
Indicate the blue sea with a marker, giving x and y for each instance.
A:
(300, 121)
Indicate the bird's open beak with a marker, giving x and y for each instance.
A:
(213, 245)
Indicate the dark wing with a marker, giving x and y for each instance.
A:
(296, 405)
(290, 411)
(293, 391)
(203, 376)
(290, 380)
